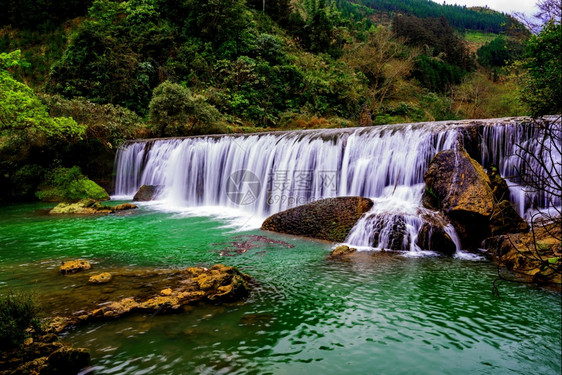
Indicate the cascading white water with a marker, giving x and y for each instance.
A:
(266, 173)
(285, 169)
(516, 148)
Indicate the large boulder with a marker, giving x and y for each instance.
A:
(146, 193)
(327, 219)
(459, 187)
(433, 236)
(505, 220)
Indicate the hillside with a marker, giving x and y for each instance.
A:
(151, 68)
(460, 17)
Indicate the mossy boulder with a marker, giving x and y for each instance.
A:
(535, 255)
(73, 266)
(146, 193)
(458, 186)
(326, 219)
(341, 251)
(102, 278)
(89, 207)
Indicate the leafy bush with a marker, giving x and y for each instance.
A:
(175, 111)
(110, 124)
(69, 184)
(17, 313)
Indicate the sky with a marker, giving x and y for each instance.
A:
(507, 6)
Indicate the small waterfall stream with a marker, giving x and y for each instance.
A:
(262, 174)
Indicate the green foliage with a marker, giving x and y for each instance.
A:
(17, 313)
(175, 111)
(110, 124)
(436, 36)
(498, 52)
(542, 88)
(23, 118)
(458, 16)
(69, 184)
(436, 74)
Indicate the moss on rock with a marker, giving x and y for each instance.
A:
(326, 219)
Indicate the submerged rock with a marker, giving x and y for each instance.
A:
(89, 207)
(146, 193)
(73, 266)
(342, 251)
(159, 291)
(327, 219)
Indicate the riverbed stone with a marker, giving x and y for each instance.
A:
(326, 219)
(341, 251)
(102, 278)
(434, 237)
(89, 207)
(158, 291)
(73, 266)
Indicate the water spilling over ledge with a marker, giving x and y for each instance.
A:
(266, 173)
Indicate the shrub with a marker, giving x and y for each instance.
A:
(69, 184)
(17, 313)
(175, 111)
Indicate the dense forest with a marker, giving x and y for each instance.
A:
(79, 77)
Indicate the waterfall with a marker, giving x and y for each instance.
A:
(521, 148)
(262, 174)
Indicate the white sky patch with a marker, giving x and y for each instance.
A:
(528, 7)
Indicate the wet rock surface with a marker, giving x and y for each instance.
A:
(43, 355)
(536, 255)
(327, 219)
(146, 193)
(73, 266)
(458, 186)
(341, 251)
(150, 291)
(89, 207)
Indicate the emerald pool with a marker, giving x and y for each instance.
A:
(305, 315)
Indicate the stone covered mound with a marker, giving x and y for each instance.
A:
(150, 291)
(327, 219)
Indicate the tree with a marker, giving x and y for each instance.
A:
(384, 62)
(175, 111)
(23, 118)
(542, 83)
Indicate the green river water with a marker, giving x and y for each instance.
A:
(308, 315)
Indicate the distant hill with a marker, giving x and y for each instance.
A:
(460, 17)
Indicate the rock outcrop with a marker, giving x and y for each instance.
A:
(89, 207)
(158, 291)
(146, 193)
(458, 186)
(536, 255)
(327, 219)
